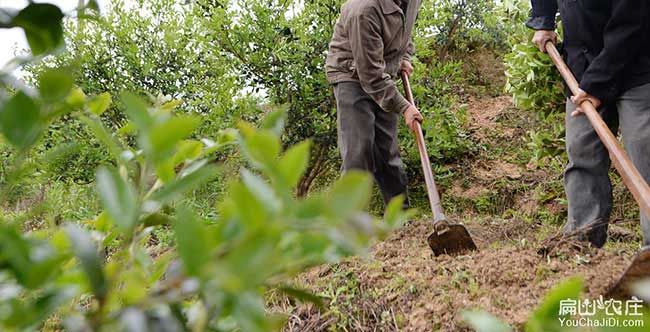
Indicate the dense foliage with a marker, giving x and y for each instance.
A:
(277, 47)
(106, 274)
(535, 85)
(159, 50)
(170, 162)
(532, 78)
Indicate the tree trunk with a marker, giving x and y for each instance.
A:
(316, 168)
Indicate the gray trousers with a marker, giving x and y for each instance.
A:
(367, 137)
(586, 181)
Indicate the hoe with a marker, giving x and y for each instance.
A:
(640, 267)
(446, 238)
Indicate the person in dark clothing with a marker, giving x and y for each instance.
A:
(606, 46)
(371, 45)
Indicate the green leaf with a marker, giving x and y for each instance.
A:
(274, 122)
(226, 137)
(170, 105)
(247, 208)
(311, 208)
(43, 27)
(261, 190)
(394, 216)
(160, 265)
(118, 198)
(102, 222)
(137, 111)
(20, 121)
(350, 194)
(185, 182)
(76, 98)
(484, 322)
(15, 252)
(164, 137)
(91, 263)
(100, 103)
(546, 317)
(165, 170)
(192, 242)
(55, 84)
(262, 149)
(103, 135)
(187, 150)
(156, 219)
(128, 129)
(294, 162)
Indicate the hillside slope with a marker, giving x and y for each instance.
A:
(510, 208)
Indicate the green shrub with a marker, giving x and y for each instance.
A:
(534, 83)
(533, 80)
(435, 88)
(107, 274)
(72, 154)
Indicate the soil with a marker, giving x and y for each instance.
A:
(507, 277)
(401, 286)
(485, 113)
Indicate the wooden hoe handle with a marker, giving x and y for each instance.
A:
(631, 176)
(432, 190)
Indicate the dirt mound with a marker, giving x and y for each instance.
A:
(403, 287)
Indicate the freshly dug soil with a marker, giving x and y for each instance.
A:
(400, 286)
(403, 287)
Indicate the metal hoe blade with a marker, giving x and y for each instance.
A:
(451, 240)
(637, 271)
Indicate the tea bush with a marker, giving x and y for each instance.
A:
(106, 273)
(534, 83)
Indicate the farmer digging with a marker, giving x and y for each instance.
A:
(606, 46)
(371, 45)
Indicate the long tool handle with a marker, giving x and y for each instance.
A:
(631, 176)
(432, 189)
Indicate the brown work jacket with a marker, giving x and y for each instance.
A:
(370, 40)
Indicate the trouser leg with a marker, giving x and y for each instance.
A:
(586, 180)
(389, 172)
(367, 138)
(356, 127)
(634, 115)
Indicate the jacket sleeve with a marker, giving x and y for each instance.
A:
(410, 51)
(368, 53)
(542, 15)
(624, 35)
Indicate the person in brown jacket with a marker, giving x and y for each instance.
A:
(371, 44)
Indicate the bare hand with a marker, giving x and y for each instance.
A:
(542, 37)
(406, 67)
(411, 116)
(581, 97)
